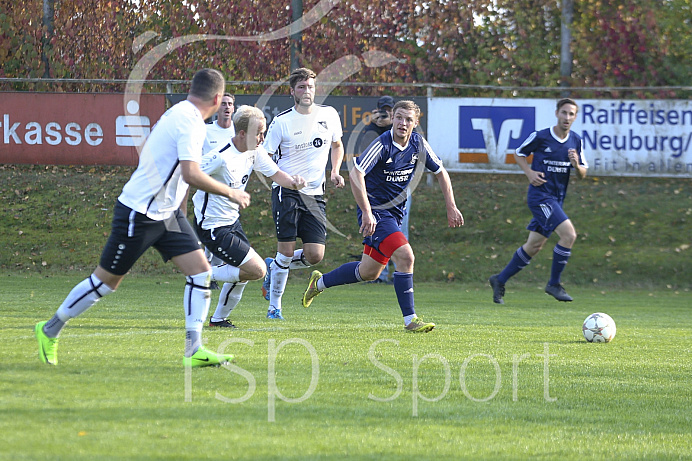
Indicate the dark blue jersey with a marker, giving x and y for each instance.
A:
(550, 157)
(389, 167)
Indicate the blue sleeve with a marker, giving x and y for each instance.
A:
(529, 145)
(369, 158)
(432, 161)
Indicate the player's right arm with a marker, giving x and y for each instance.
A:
(368, 222)
(195, 177)
(535, 177)
(283, 179)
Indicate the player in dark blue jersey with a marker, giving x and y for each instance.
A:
(379, 181)
(556, 151)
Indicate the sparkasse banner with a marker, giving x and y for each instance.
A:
(621, 137)
(75, 128)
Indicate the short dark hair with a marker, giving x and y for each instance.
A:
(207, 83)
(407, 105)
(229, 95)
(564, 101)
(299, 75)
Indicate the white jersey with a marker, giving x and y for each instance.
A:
(301, 143)
(157, 188)
(229, 166)
(217, 136)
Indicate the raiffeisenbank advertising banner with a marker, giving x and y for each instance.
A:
(621, 137)
(75, 128)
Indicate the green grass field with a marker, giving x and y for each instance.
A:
(342, 380)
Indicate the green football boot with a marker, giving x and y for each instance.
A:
(311, 291)
(417, 325)
(47, 347)
(206, 358)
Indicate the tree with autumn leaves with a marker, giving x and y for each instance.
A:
(499, 43)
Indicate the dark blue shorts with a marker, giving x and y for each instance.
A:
(228, 243)
(299, 215)
(547, 215)
(133, 233)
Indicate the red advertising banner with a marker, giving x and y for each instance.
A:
(75, 128)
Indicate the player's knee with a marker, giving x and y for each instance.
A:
(569, 238)
(404, 260)
(254, 269)
(258, 272)
(313, 257)
(368, 274)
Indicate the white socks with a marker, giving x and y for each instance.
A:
(84, 295)
(230, 296)
(225, 273)
(280, 268)
(196, 303)
(298, 261)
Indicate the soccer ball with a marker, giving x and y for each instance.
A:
(598, 328)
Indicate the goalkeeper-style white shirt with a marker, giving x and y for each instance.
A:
(156, 188)
(229, 166)
(217, 136)
(301, 143)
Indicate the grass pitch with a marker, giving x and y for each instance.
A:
(343, 380)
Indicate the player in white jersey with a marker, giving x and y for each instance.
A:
(147, 214)
(219, 133)
(216, 217)
(221, 130)
(300, 140)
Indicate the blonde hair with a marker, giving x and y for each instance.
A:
(243, 115)
(407, 105)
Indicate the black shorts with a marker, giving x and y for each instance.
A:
(299, 215)
(133, 233)
(228, 243)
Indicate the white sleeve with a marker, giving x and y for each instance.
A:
(264, 163)
(211, 162)
(272, 141)
(190, 139)
(338, 133)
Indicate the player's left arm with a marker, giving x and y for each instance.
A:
(434, 164)
(337, 159)
(454, 216)
(576, 161)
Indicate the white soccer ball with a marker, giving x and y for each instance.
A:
(599, 328)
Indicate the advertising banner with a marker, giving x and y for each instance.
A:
(75, 128)
(621, 137)
(355, 111)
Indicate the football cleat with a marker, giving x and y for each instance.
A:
(498, 289)
(203, 357)
(558, 292)
(267, 283)
(225, 323)
(275, 314)
(311, 291)
(417, 325)
(47, 347)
